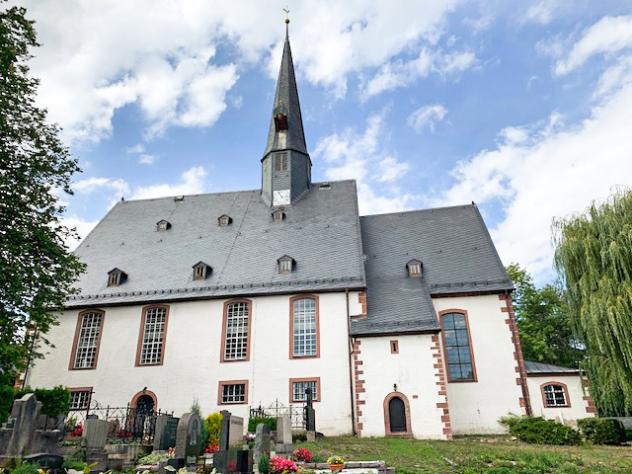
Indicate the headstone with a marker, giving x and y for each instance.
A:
(244, 461)
(262, 442)
(224, 433)
(165, 432)
(95, 433)
(284, 434)
(235, 431)
(189, 442)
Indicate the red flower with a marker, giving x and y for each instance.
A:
(302, 454)
(280, 465)
(211, 448)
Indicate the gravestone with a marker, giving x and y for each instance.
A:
(165, 432)
(224, 431)
(235, 431)
(262, 442)
(189, 442)
(95, 436)
(284, 435)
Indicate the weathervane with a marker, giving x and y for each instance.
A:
(287, 15)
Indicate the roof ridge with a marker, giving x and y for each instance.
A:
(412, 211)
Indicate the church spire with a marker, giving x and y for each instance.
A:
(286, 172)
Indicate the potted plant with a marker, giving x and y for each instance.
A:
(302, 455)
(336, 463)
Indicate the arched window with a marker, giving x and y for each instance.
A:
(555, 395)
(236, 331)
(457, 345)
(304, 327)
(153, 334)
(85, 349)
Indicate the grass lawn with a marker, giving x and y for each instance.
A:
(470, 455)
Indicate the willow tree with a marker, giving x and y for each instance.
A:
(594, 259)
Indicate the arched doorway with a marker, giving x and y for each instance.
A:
(397, 415)
(145, 402)
(141, 417)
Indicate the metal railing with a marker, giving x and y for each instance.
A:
(276, 409)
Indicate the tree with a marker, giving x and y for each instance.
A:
(593, 257)
(36, 269)
(542, 314)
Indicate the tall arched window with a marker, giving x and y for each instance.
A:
(236, 331)
(304, 337)
(153, 335)
(85, 348)
(555, 395)
(457, 346)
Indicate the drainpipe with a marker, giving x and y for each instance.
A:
(353, 425)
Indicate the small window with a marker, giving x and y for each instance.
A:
(116, 277)
(280, 162)
(79, 399)
(163, 225)
(224, 220)
(324, 186)
(395, 346)
(278, 215)
(232, 393)
(555, 395)
(201, 271)
(414, 268)
(286, 264)
(299, 387)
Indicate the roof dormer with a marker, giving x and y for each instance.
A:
(286, 264)
(414, 268)
(116, 277)
(163, 225)
(278, 215)
(201, 271)
(224, 220)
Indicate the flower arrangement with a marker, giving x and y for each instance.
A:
(77, 430)
(279, 465)
(335, 459)
(302, 454)
(211, 448)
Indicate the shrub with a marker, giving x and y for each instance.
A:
(602, 430)
(280, 465)
(257, 420)
(537, 430)
(302, 454)
(25, 468)
(55, 401)
(74, 464)
(213, 426)
(264, 464)
(6, 400)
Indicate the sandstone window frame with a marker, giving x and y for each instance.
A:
(226, 334)
(77, 341)
(144, 344)
(451, 377)
(293, 328)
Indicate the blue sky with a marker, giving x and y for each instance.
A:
(523, 107)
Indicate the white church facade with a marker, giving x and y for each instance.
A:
(401, 324)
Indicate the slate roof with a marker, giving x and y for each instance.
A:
(457, 253)
(540, 368)
(286, 97)
(321, 232)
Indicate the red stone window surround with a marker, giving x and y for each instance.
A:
(232, 392)
(446, 347)
(240, 312)
(387, 418)
(554, 390)
(152, 336)
(87, 341)
(302, 381)
(308, 348)
(80, 398)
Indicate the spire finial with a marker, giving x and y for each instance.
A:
(287, 17)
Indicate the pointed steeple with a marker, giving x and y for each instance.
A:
(286, 166)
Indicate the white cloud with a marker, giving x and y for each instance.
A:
(427, 116)
(608, 35)
(353, 155)
(82, 227)
(100, 56)
(94, 184)
(400, 73)
(550, 170)
(136, 149)
(191, 182)
(146, 159)
(541, 12)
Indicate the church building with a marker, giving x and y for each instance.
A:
(399, 324)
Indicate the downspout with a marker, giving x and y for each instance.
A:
(353, 420)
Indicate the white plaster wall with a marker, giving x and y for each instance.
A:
(475, 407)
(569, 415)
(413, 372)
(191, 368)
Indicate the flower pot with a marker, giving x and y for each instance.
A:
(336, 467)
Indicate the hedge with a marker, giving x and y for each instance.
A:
(55, 401)
(257, 420)
(537, 430)
(602, 430)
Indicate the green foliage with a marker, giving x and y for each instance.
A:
(602, 430)
(264, 464)
(38, 270)
(213, 426)
(153, 458)
(6, 401)
(257, 420)
(24, 468)
(55, 401)
(537, 430)
(593, 257)
(542, 315)
(75, 464)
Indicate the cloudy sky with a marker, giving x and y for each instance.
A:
(523, 107)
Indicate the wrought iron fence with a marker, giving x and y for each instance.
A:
(276, 409)
(125, 424)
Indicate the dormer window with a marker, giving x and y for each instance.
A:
(116, 277)
(286, 264)
(414, 268)
(162, 225)
(280, 162)
(278, 215)
(201, 271)
(224, 220)
(280, 118)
